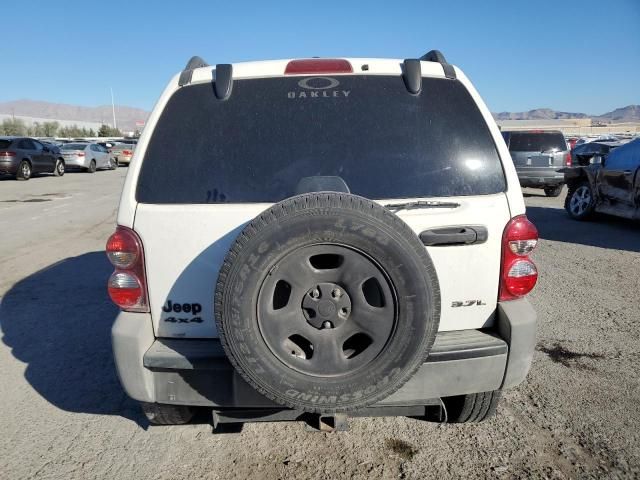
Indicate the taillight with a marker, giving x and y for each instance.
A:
(127, 285)
(318, 65)
(7, 154)
(80, 154)
(518, 274)
(567, 159)
(127, 152)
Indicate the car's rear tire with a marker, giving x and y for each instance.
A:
(161, 414)
(308, 299)
(473, 407)
(58, 170)
(553, 191)
(24, 170)
(580, 202)
(92, 167)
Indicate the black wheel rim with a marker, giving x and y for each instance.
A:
(326, 310)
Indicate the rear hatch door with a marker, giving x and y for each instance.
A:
(201, 181)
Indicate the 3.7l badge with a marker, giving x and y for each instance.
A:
(467, 303)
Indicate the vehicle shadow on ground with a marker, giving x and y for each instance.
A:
(58, 321)
(35, 175)
(602, 231)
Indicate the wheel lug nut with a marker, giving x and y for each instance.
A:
(327, 324)
(315, 293)
(336, 293)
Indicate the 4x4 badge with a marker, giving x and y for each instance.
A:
(183, 320)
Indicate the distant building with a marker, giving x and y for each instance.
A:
(544, 123)
(572, 126)
(63, 123)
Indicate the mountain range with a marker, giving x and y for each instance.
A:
(127, 117)
(630, 113)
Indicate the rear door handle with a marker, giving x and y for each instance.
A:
(454, 235)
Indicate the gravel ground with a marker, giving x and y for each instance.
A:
(63, 414)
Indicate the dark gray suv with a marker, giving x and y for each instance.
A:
(537, 156)
(23, 156)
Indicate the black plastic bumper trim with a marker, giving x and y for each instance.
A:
(208, 354)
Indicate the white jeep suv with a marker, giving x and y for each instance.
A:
(322, 238)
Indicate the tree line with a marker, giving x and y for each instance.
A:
(17, 127)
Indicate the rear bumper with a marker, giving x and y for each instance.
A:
(75, 162)
(540, 177)
(197, 372)
(9, 166)
(122, 159)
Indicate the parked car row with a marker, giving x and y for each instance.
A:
(541, 155)
(602, 173)
(23, 157)
(121, 150)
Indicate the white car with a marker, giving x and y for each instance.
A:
(322, 238)
(88, 157)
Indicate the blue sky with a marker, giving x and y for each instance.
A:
(576, 55)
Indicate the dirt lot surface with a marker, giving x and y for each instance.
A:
(64, 415)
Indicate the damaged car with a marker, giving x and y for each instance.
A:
(592, 152)
(611, 187)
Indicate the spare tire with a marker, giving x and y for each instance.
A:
(327, 302)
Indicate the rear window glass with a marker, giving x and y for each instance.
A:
(5, 143)
(536, 142)
(73, 146)
(272, 134)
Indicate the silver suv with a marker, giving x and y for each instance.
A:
(538, 155)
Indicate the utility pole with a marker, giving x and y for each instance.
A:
(113, 110)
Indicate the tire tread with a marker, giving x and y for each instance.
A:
(306, 202)
(473, 407)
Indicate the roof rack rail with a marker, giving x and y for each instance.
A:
(192, 64)
(437, 56)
